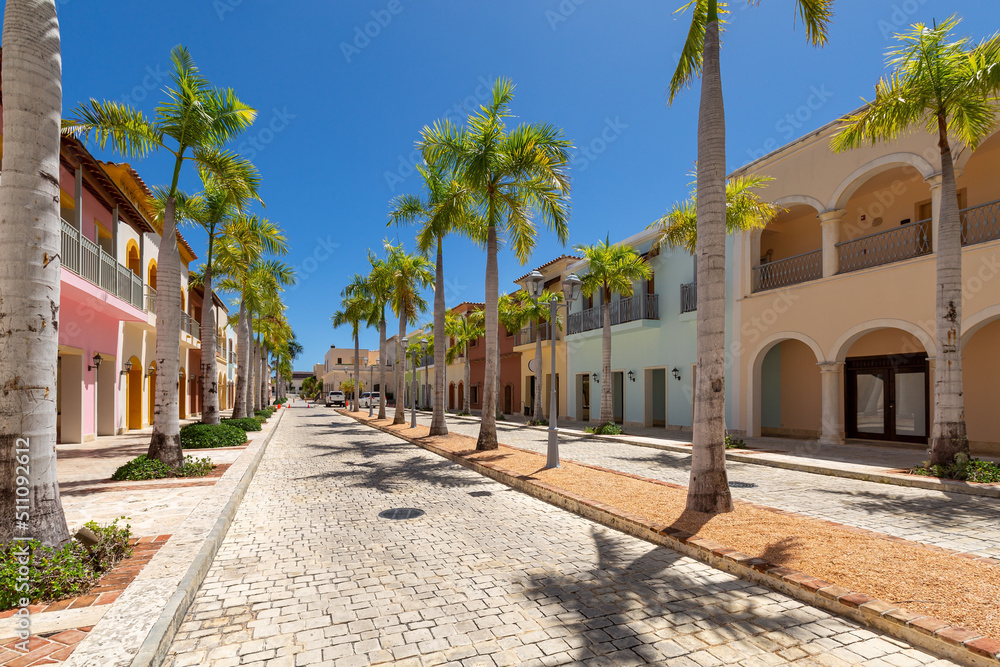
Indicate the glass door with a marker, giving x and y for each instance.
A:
(887, 398)
(870, 403)
(909, 405)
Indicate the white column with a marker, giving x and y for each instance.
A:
(833, 427)
(934, 182)
(830, 223)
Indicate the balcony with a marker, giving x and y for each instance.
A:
(89, 261)
(689, 297)
(981, 223)
(789, 271)
(626, 309)
(529, 335)
(189, 325)
(892, 245)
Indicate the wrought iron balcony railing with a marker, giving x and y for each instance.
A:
(89, 261)
(689, 297)
(893, 245)
(626, 309)
(788, 271)
(981, 223)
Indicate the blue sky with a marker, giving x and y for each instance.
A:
(343, 88)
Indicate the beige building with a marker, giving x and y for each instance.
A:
(338, 367)
(834, 302)
(553, 273)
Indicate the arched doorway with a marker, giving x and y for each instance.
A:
(132, 255)
(508, 399)
(461, 397)
(451, 396)
(782, 365)
(981, 384)
(222, 393)
(152, 274)
(134, 393)
(182, 395)
(152, 392)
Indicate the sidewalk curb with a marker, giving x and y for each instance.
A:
(909, 481)
(938, 637)
(154, 647)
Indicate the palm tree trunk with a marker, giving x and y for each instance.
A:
(708, 490)
(488, 425)
(467, 390)
(948, 437)
(165, 444)
(537, 409)
(438, 425)
(248, 386)
(209, 366)
(607, 397)
(399, 416)
(240, 401)
(381, 368)
(262, 385)
(29, 278)
(255, 403)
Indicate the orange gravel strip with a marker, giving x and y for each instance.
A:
(923, 579)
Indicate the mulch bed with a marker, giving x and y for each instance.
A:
(111, 585)
(929, 580)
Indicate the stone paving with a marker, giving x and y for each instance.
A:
(309, 574)
(950, 520)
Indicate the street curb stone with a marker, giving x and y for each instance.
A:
(926, 632)
(157, 643)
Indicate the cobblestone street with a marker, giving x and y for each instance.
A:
(310, 574)
(951, 520)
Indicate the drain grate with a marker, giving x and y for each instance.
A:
(480, 494)
(742, 485)
(401, 513)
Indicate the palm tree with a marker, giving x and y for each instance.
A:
(612, 269)
(446, 209)
(244, 244)
(745, 211)
(29, 241)
(950, 87)
(708, 490)
(197, 119)
(514, 175)
(410, 273)
(463, 329)
(210, 210)
(378, 290)
(355, 310)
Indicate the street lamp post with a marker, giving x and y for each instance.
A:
(413, 393)
(371, 380)
(571, 292)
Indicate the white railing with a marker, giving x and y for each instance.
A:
(89, 261)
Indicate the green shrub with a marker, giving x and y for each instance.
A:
(281, 401)
(142, 468)
(464, 414)
(205, 436)
(734, 443)
(538, 422)
(962, 468)
(55, 573)
(264, 414)
(246, 423)
(610, 428)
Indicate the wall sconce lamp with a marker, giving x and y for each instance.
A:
(631, 376)
(152, 369)
(676, 373)
(595, 378)
(126, 368)
(97, 362)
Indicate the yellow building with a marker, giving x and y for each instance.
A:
(834, 302)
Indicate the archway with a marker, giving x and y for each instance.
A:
(221, 390)
(134, 393)
(461, 397)
(792, 368)
(508, 399)
(132, 257)
(182, 395)
(981, 381)
(451, 396)
(151, 274)
(152, 392)
(886, 381)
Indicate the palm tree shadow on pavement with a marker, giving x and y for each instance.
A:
(629, 609)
